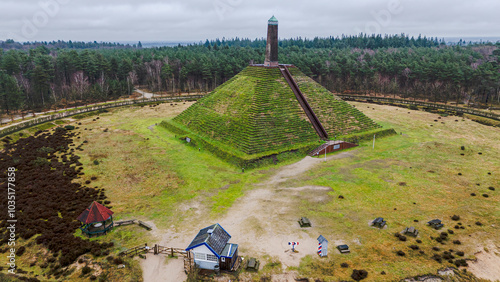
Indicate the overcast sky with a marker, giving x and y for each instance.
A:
(197, 20)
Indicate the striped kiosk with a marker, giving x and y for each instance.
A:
(322, 246)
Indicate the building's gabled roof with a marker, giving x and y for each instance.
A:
(95, 213)
(214, 236)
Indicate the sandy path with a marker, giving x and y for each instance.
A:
(156, 269)
(262, 222)
(265, 219)
(487, 266)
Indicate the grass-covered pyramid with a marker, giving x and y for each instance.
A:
(256, 115)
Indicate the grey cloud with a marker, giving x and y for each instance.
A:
(196, 20)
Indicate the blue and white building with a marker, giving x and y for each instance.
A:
(211, 249)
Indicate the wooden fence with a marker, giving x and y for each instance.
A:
(157, 250)
(58, 115)
(420, 103)
(135, 251)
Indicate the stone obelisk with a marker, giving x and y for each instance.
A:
(272, 43)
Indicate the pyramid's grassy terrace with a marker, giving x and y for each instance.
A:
(254, 112)
(337, 117)
(256, 115)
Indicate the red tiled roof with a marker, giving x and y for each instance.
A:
(95, 213)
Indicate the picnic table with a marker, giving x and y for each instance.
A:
(343, 249)
(435, 223)
(410, 231)
(379, 222)
(252, 264)
(304, 222)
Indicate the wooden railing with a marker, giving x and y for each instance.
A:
(58, 115)
(303, 103)
(421, 103)
(157, 249)
(135, 250)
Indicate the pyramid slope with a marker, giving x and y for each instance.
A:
(337, 116)
(254, 112)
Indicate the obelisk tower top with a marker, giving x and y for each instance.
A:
(272, 43)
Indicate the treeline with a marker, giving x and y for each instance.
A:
(44, 78)
(60, 44)
(362, 41)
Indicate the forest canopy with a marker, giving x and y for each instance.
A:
(43, 75)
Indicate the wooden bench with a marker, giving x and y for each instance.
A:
(435, 223)
(411, 231)
(304, 222)
(124, 222)
(379, 222)
(343, 249)
(145, 225)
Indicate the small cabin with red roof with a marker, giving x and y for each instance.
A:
(96, 219)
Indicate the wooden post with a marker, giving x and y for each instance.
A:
(172, 252)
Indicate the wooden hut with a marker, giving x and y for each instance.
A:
(96, 219)
(211, 249)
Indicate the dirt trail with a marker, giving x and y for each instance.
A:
(487, 265)
(262, 222)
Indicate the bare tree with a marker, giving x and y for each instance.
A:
(80, 84)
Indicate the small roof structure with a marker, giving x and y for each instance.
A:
(214, 237)
(95, 213)
(273, 20)
(322, 239)
(229, 250)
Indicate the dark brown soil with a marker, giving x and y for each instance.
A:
(48, 200)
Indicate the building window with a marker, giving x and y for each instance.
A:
(211, 257)
(199, 256)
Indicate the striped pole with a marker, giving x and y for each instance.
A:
(293, 245)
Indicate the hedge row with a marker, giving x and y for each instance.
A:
(368, 135)
(235, 157)
(483, 120)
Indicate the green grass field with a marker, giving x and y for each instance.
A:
(149, 174)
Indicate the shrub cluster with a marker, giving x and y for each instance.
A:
(48, 199)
